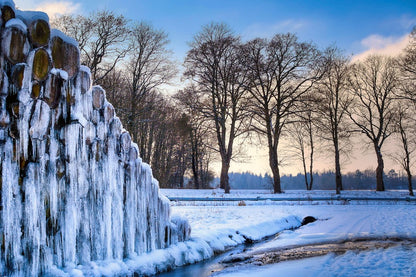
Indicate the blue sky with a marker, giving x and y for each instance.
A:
(358, 27)
(354, 26)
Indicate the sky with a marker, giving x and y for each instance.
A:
(359, 28)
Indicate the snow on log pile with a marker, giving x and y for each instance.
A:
(73, 187)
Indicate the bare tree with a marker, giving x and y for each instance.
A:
(149, 66)
(102, 38)
(334, 99)
(374, 83)
(214, 64)
(280, 72)
(404, 125)
(301, 134)
(408, 69)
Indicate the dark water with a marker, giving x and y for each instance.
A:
(204, 268)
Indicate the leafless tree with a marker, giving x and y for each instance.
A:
(404, 126)
(280, 70)
(374, 83)
(301, 134)
(214, 64)
(200, 136)
(102, 38)
(334, 99)
(408, 69)
(149, 66)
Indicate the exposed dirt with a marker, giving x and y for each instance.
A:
(308, 251)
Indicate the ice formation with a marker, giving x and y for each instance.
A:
(73, 187)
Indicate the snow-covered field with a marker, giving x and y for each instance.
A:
(217, 227)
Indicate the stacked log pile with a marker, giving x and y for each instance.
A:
(73, 187)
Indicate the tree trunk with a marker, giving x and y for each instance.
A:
(379, 170)
(409, 181)
(224, 181)
(274, 166)
(338, 176)
(311, 145)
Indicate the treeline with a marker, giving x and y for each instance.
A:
(272, 90)
(357, 180)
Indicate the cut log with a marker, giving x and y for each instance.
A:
(53, 90)
(7, 13)
(108, 112)
(36, 88)
(65, 56)
(39, 33)
(41, 64)
(17, 75)
(98, 97)
(15, 45)
(84, 79)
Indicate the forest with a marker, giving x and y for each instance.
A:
(267, 90)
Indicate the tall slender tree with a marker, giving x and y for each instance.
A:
(334, 99)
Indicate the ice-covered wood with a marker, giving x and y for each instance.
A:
(41, 63)
(65, 55)
(15, 45)
(73, 188)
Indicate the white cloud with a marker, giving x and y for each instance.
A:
(52, 8)
(58, 8)
(269, 30)
(376, 44)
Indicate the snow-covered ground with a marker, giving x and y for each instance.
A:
(217, 227)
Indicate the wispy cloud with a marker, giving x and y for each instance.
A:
(52, 8)
(269, 30)
(376, 44)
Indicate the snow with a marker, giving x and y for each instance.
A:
(15, 22)
(395, 261)
(30, 16)
(65, 38)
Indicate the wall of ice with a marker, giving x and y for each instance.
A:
(73, 187)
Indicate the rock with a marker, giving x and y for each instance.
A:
(307, 220)
(89, 133)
